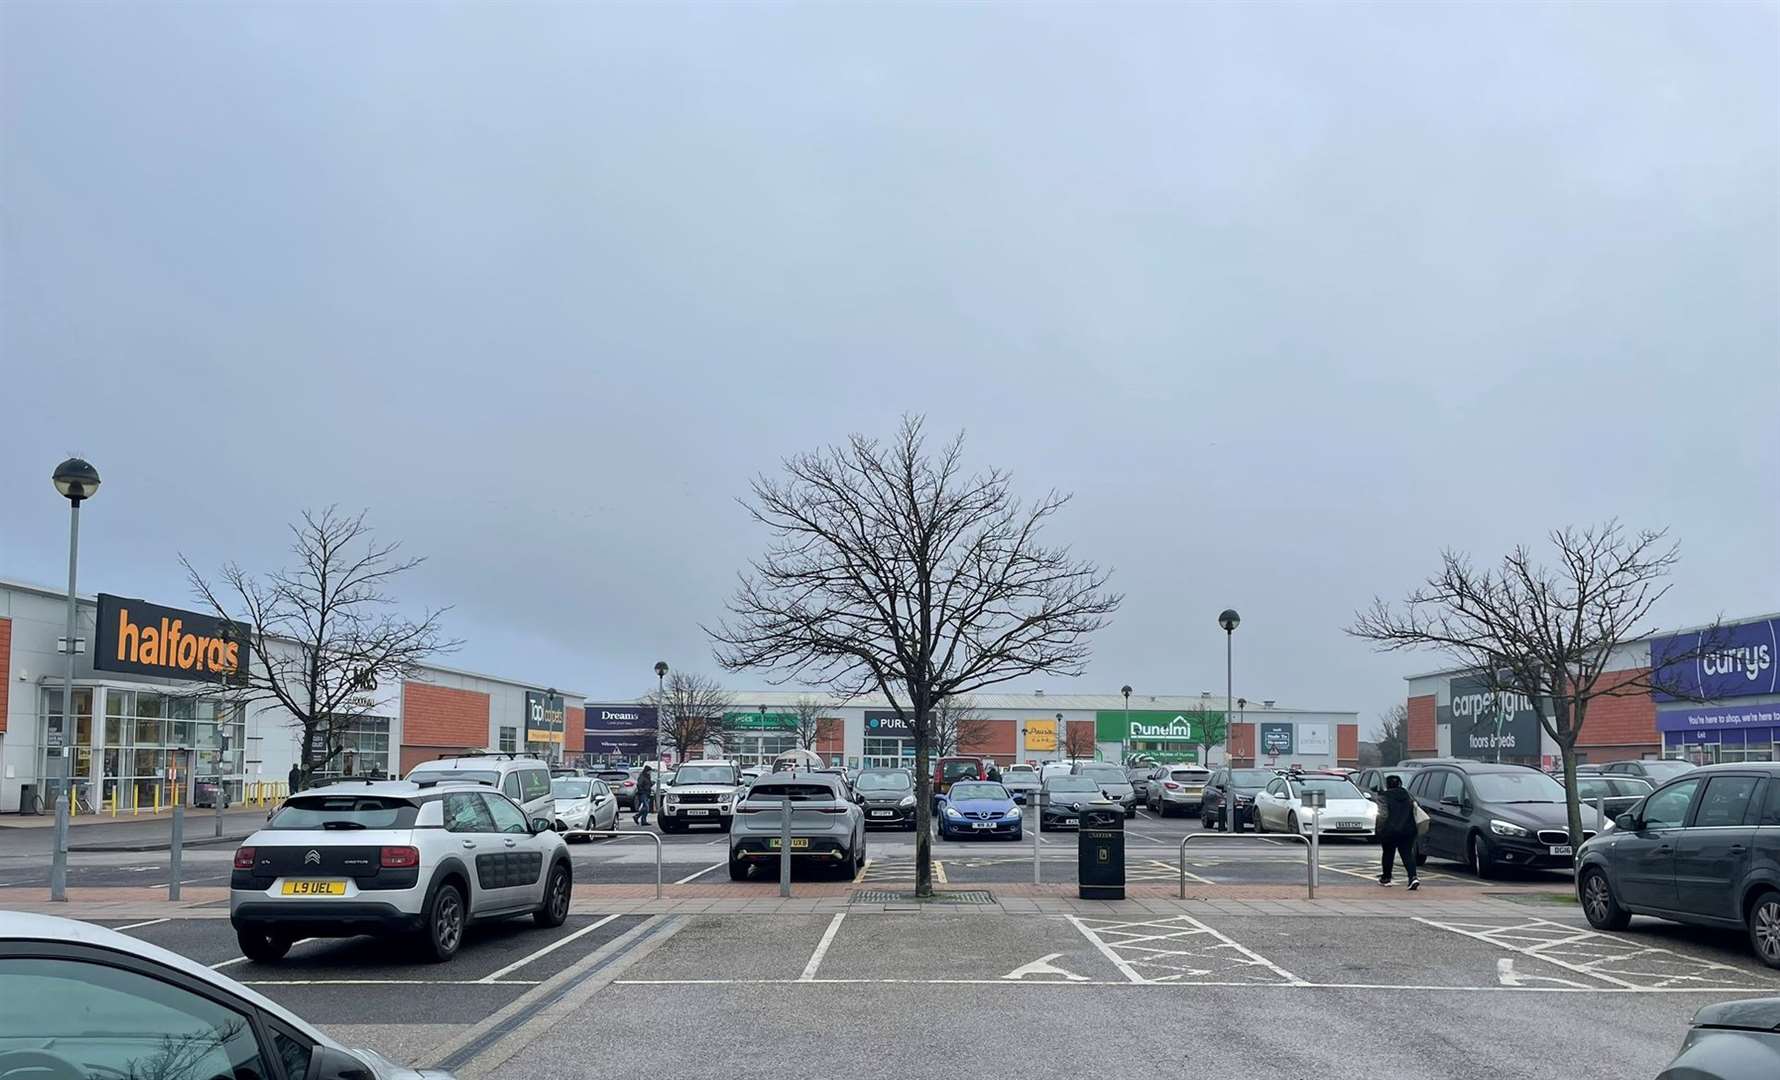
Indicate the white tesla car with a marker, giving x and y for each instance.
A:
(1280, 806)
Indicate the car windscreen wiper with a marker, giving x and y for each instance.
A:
(325, 824)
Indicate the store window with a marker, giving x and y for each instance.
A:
(364, 748)
(751, 750)
(888, 753)
(145, 734)
(509, 740)
(1758, 744)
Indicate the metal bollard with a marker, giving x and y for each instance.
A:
(1037, 827)
(178, 851)
(784, 847)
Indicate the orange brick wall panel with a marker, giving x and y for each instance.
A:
(418, 755)
(1621, 721)
(831, 737)
(999, 741)
(443, 716)
(574, 730)
(1421, 735)
(1242, 741)
(5, 668)
(1347, 744)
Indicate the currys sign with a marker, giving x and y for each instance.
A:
(1709, 665)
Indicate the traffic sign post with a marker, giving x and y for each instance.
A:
(1314, 801)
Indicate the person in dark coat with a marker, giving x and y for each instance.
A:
(296, 772)
(1396, 830)
(994, 773)
(644, 798)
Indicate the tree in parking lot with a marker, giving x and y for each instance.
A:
(1393, 735)
(1214, 730)
(1079, 739)
(811, 724)
(1549, 634)
(324, 634)
(957, 724)
(689, 710)
(892, 569)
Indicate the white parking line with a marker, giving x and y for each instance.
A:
(1117, 961)
(241, 959)
(550, 948)
(682, 881)
(134, 925)
(834, 926)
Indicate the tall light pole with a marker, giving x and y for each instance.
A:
(550, 696)
(661, 670)
(77, 481)
(1126, 690)
(1229, 620)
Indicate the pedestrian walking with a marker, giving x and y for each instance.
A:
(994, 773)
(1397, 830)
(296, 774)
(644, 798)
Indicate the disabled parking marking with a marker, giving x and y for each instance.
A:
(1043, 966)
(1181, 950)
(1507, 976)
(1617, 961)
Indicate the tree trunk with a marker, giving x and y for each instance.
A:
(1570, 726)
(923, 793)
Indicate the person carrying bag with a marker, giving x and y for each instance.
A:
(1400, 822)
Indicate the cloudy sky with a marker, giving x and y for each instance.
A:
(1290, 297)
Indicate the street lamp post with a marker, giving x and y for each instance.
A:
(1126, 690)
(550, 696)
(77, 481)
(661, 670)
(1229, 620)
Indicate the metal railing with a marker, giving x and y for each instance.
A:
(1309, 860)
(633, 836)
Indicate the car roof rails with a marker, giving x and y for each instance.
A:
(508, 754)
(435, 781)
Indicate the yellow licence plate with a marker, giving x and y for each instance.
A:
(315, 888)
(796, 841)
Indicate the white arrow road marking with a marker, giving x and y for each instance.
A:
(1507, 976)
(1043, 966)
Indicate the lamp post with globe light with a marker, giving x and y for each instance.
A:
(1229, 620)
(76, 480)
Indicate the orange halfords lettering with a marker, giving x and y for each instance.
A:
(168, 645)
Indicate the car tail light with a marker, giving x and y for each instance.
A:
(627, 783)
(244, 858)
(819, 809)
(399, 858)
(1172, 786)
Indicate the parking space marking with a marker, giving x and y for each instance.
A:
(134, 925)
(1181, 949)
(219, 965)
(682, 881)
(496, 976)
(387, 982)
(1616, 961)
(810, 969)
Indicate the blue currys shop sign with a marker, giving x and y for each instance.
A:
(1712, 665)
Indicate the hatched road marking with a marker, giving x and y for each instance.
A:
(1617, 961)
(1180, 949)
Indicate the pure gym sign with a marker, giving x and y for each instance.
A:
(141, 638)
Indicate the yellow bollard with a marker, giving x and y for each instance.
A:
(114, 802)
(157, 796)
(73, 806)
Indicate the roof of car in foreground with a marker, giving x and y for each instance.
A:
(399, 789)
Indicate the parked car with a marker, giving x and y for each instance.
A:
(979, 808)
(525, 780)
(1178, 787)
(827, 827)
(1371, 782)
(1617, 794)
(798, 760)
(887, 796)
(581, 805)
(1139, 778)
(1238, 785)
(949, 770)
(1063, 799)
(1021, 782)
(700, 793)
(1730, 1040)
(623, 783)
(1055, 768)
(395, 857)
(1280, 806)
(1655, 770)
(1112, 782)
(83, 1000)
(1703, 848)
(1490, 816)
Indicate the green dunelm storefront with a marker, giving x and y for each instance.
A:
(1167, 735)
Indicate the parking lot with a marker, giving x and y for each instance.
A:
(1525, 993)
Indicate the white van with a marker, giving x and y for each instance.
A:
(525, 780)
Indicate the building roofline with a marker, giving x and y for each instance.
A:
(1629, 641)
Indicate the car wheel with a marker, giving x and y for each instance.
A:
(1129, 814)
(445, 918)
(738, 869)
(722, 826)
(1602, 910)
(1477, 857)
(1260, 825)
(555, 909)
(1764, 928)
(1292, 823)
(262, 948)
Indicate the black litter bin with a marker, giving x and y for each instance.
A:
(1100, 852)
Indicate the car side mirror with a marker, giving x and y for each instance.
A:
(331, 1063)
(1628, 822)
(539, 825)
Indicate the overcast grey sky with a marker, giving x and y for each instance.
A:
(1289, 296)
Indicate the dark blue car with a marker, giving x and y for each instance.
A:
(978, 808)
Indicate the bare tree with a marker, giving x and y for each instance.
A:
(1079, 740)
(1548, 634)
(957, 724)
(1393, 735)
(896, 571)
(811, 724)
(1214, 730)
(689, 709)
(324, 634)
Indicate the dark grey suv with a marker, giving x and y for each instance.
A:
(1494, 816)
(1703, 848)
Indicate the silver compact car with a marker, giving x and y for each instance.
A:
(583, 805)
(1112, 782)
(394, 857)
(827, 827)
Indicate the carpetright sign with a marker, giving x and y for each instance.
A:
(1487, 723)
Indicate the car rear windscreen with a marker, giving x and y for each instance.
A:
(763, 791)
(349, 812)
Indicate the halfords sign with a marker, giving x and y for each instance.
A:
(141, 638)
(1730, 662)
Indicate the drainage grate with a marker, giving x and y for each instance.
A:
(880, 896)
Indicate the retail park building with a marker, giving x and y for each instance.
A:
(1725, 705)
